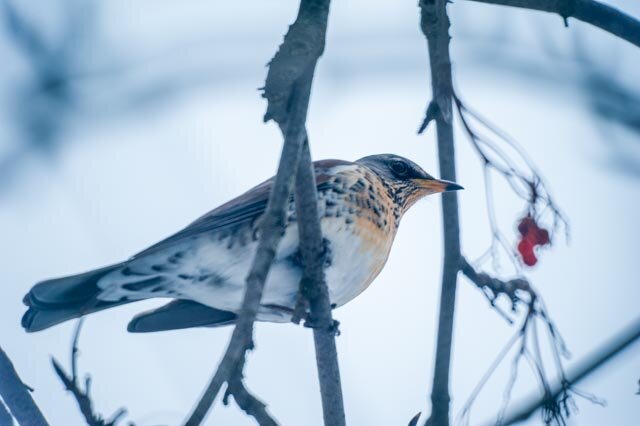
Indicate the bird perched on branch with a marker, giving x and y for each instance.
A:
(204, 266)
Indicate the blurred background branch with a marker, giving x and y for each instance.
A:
(592, 12)
(590, 364)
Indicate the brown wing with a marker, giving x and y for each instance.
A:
(241, 210)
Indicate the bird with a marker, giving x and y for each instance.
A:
(203, 267)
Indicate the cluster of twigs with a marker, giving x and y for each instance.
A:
(557, 403)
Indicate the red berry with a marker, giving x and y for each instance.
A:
(530, 259)
(525, 248)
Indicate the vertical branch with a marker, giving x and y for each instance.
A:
(435, 26)
(314, 289)
(16, 395)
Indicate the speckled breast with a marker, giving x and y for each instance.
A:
(359, 219)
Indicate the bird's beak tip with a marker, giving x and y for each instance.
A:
(453, 187)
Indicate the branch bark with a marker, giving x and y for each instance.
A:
(592, 12)
(435, 26)
(16, 395)
(613, 347)
(287, 89)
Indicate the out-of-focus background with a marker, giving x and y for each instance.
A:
(121, 122)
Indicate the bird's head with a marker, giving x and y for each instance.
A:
(406, 180)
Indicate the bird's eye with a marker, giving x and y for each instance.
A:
(399, 168)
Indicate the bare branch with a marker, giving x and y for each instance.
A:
(435, 26)
(556, 401)
(83, 397)
(492, 288)
(592, 12)
(16, 395)
(287, 90)
(590, 364)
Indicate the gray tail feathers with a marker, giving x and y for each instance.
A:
(54, 301)
(179, 314)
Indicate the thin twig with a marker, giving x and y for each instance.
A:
(492, 288)
(16, 395)
(287, 88)
(435, 26)
(83, 397)
(526, 182)
(557, 402)
(592, 12)
(590, 364)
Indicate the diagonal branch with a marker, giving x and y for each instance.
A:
(272, 228)
(435, 26)
(16, 395)
(603, 16)
(287, 89)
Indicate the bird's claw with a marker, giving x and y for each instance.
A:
(333, 328)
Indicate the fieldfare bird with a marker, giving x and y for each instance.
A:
(204, 266)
